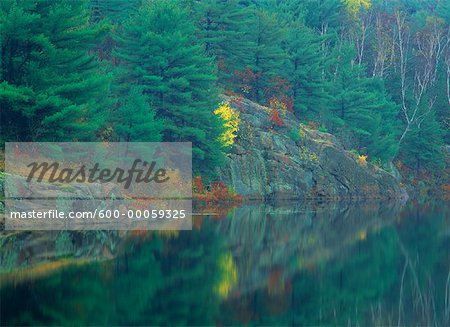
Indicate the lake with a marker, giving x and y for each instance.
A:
(296, 264)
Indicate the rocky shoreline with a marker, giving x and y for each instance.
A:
(267, 163)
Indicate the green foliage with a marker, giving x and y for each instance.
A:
(52, 88)
(304, 70)
(331, 61)
(266, 56)
(158, 52)
(443, 10)
(321, 15)
(362, 112)
(134, 120)
(423, 147)
(114, 10)
(294, 134)
(223, 26)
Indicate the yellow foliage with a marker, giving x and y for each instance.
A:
(231, 122)
(308, 155)
(362, 160)
(41, 270)
(302, 134)
(229, 275)
(362, 235)
(354, 6)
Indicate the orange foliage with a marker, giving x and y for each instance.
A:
(140, 233)
(198, 184)
(276, 118)
(219, 192)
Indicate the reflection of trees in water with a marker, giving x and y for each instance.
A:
(189, 268)
(367, 283)
(337, 293)
(296, 236)
(294, 265)
(153, 282)
(424, 295)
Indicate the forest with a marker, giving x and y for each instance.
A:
(375, 73)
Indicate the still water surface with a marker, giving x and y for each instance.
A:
(290, 264)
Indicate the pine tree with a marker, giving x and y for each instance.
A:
(114, 10)
(112, 14)
(134, 120)
(443, 10)
(362, 112)
(423, 147)
(159, 52)
(321, 15)
(52, 88)
(382, 143)
(223, 26)
(266, 57)
(304, 70)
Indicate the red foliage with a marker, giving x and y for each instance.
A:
(284, 158)
(276, 118)
(312, 125)
(284, 103)
(219, 192)
(238, 102)
(221, 65)
(278, 87)
(140, 233)
(198, 184)
(246, 79)
(275, 279)
(288, 102)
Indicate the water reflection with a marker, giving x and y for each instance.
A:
(288, 264)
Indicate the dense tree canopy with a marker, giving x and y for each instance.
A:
(376, 73)
(52, 88)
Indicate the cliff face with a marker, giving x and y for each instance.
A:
(294, 162)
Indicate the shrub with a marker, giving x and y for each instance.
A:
(218, 192)
(231, 122)
(276, 118)
(362, 160)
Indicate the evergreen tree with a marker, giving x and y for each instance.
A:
(114, 10)
(321, 15)
(52, 88)
(158, 52)
(134, 120)
(304, 70)
(443, 10)
(266, 57)
(382, 143)
(223, 26)
(423, 146)
(362, 111)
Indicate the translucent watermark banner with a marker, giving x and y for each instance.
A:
(85, 186)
